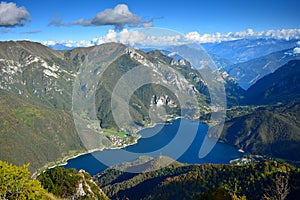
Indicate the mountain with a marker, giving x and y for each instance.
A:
(242, 50)
(272, 130)
(60, 47)
(247, 73)
(221, 62)
(182, 181)
(201, 60)
(34, 132)
(283, 85)
(70, 184)
(48, 95)
(35, 109)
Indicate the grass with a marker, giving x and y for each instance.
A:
(34, 133)
(27, 115)
(112, 132)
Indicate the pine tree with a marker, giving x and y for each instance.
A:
(15, 183)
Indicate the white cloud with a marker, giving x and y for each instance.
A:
(69, 43)
(133, 37)
(142, 38)
(285, 34)
(297, 50)
(241, 34)
(111, 36)
(11, 15)
(205, 38)
(49, 42)
(193, 36)
(125, 36)
(118, 17)
(147, 24)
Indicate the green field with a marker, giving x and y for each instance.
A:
(112, 132)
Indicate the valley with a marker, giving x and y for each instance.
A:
(149, 100)
(39, 124)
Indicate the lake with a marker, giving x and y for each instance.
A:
(180, 140)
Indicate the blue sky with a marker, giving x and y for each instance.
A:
(186, 16)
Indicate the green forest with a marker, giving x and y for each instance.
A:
(265, 180)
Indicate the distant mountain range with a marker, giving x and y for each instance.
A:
(247, 73)
(283, 85)
(247, 49)
(58, 46)
(246, 60)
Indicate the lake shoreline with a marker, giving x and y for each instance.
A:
(222, 153)
(63, 162)
(139, 136)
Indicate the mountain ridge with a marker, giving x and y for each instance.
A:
(279, 86)
(249, 72)
(246, 49)
(45, 78)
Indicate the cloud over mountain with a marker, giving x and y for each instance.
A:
(297, 50)
(118, 17)
(285, 34)
(133, 37)
(11, 15)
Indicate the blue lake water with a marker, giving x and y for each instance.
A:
(180, 140)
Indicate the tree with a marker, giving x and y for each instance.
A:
(216, 194)
(64, 183)
(15, 183)
(59, 181)
(280, 190)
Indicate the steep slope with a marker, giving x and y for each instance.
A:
(37, 73)
(246, 49)
(33, 132)
(201, 60)
(273, 131)
(70, 184)
(37, 84)
(221, 62)
(247, 73)
(180, 181)
(281, 86)
(36, 120)
(109, 63)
